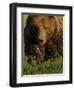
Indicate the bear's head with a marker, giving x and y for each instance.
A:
(40, 28)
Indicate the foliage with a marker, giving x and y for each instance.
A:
(51, 66)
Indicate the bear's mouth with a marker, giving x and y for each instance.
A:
(42, 42)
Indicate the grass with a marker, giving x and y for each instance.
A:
(51, 66)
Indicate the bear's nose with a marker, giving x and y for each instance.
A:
(40, 40)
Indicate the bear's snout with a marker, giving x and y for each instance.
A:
(42, 37)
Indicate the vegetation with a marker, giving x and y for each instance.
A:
(51, 66)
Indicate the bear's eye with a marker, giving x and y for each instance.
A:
(34, 29)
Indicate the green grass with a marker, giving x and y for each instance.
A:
(51, 66)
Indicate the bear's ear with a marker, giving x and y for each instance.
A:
(59, 23)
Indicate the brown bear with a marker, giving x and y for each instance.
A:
(43, 36)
